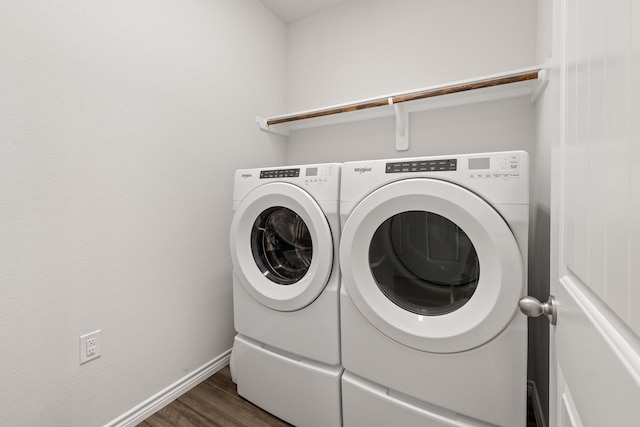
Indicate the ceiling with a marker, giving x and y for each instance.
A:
(293, 10)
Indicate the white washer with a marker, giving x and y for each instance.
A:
(284, 244)
(433, 255)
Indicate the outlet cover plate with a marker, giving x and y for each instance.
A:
(90, 346)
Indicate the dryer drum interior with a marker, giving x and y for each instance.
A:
(424, 263)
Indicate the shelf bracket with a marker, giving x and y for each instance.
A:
(402, 126)
(262, 123)
(543, 82)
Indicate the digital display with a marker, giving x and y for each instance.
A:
(312, 172)
(480, 163)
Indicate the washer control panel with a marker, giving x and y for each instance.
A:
(321, 180)
(319, 174)
(308, 175)
(279, 173)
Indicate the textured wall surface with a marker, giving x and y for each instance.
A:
(121, 125)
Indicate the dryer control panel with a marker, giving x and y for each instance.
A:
(422, 166)
(501, 177)
(497, 166)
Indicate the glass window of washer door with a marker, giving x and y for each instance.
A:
(424, 263)
(281, 245)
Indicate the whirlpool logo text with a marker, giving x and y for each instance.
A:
(362, 170)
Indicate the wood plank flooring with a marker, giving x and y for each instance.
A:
(215, 403)
(212, 403)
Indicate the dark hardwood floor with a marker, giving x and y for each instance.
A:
(215, 402)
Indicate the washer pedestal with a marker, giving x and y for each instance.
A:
(301, 392)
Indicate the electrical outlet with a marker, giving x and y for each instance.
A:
(90, 346)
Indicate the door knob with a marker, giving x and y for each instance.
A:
(532, 307)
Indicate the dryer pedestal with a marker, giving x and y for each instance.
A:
(301, 392)
(371, 405)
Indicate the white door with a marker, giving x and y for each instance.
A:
(595, 217)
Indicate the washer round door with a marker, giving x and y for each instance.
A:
(281, 246)
(431, 265)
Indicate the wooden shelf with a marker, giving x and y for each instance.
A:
(525, 82)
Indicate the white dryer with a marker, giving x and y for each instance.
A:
(433, 255)
(284, 241)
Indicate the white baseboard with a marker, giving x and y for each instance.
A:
(535, 400)
(171, 393)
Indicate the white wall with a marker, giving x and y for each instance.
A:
(376, 47)
(370, 48)
(120, 126)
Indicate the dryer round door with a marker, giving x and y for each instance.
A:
(431, 265)
(281, 246)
